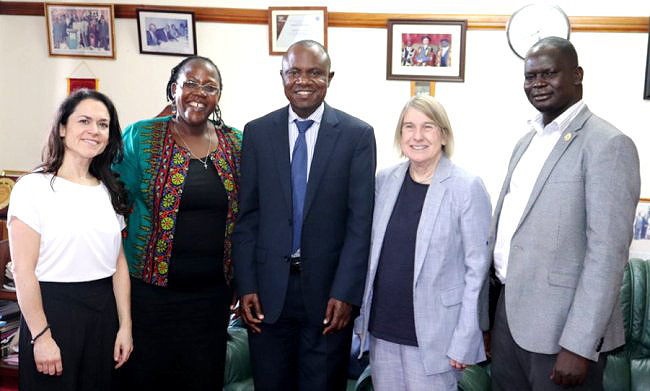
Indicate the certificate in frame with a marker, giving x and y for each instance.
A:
(291, 24)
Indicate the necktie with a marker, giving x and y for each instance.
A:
(299, 180)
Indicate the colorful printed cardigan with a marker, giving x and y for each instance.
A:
(153, 170)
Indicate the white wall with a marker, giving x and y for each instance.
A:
(487, 110)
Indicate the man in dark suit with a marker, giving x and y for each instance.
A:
(301, 242)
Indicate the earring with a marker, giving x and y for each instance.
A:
(217, 116)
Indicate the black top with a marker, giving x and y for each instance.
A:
(197, 252)
(391, 312)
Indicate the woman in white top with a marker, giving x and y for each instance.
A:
(72, 283)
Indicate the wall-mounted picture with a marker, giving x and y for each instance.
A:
(423, 88)
(420, 49)
(77, 83)
(166, 32)
(80, 30)
(640, 247)
(291, 24)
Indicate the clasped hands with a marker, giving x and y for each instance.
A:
(337, 314)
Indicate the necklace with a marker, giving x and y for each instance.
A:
(203, 161)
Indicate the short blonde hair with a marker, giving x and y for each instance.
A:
(433, 109)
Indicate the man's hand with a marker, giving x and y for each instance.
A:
(337, 316)
(570, 369)
(251, 319)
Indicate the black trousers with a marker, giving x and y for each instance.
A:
(514, 368)
(179, 339)
(293, 354)
(83, 322)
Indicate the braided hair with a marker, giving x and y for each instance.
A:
(174, 76)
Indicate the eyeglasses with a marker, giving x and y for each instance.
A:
(193, 86)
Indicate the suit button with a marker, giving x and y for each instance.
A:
(290, 222)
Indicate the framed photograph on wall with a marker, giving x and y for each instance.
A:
(423, 88)
(166, 32)
(80, 30)
(421, 49)
(291, 24)
(640, 247)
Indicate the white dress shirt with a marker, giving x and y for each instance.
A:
(310, 135)
(523, 179)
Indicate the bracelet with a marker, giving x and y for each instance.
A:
(39, 334)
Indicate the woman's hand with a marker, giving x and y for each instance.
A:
(123, 346)
(457, 365)
(47, 355)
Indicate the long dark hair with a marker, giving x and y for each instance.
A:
(100, 166)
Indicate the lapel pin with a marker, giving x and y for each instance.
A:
(567, 137)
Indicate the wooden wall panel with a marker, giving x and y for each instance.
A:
(629, 24)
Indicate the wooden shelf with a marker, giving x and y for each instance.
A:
(7, 370)
(7, 295)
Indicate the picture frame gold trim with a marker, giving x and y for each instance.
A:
(423, 87)
(69, 37)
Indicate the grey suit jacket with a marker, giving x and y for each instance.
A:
(451, 262)
(571, 245)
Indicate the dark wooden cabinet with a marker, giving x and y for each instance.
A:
(8, 373)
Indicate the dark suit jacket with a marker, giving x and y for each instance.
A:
(337, 215)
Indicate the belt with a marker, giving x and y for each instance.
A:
(295, 265)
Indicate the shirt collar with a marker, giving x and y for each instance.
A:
(316, 116)
(560, 123)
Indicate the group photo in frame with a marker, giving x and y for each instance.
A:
(80, 30)
(640, 247)
(291, 24)
(166, 32)
(422, 49)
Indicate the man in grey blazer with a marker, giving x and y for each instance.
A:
(560, 235)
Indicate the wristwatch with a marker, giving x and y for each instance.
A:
(533, 22)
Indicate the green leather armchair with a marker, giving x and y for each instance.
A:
(238, 375)
(628, 369)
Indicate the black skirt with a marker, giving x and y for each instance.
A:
(83, 321)
(179, 338)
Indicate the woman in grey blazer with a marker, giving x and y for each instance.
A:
(428, 260)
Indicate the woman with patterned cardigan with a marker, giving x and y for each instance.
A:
(181, 174)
